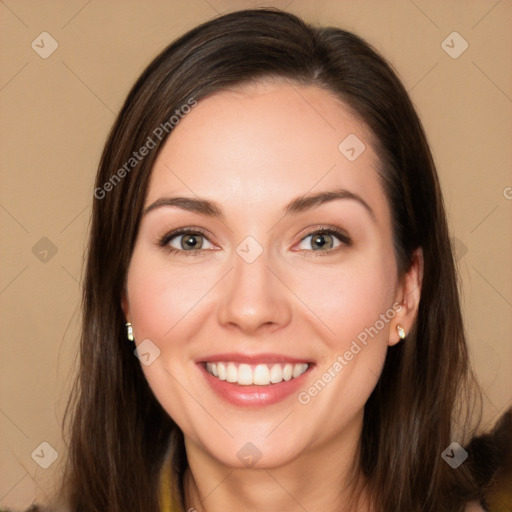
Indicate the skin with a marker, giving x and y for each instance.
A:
(252, 150)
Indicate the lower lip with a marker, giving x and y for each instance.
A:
(254, 396)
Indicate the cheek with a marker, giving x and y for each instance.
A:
(162, 295)
(163, 300)
(349, 298)
(355, 302)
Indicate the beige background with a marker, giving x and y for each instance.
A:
(55, 115)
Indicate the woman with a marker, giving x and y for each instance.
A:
(269, 234)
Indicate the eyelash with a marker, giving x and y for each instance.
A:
(340, 235)
(165, 239)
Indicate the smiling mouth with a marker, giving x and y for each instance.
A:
(257, 374)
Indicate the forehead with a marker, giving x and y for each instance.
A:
(264, 143)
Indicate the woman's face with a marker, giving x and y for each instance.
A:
(268, 285)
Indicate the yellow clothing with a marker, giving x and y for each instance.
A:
(168, 503)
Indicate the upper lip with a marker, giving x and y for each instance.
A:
(266, 358)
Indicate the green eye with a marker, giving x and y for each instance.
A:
(191, 242)
(324, 241)
(188, 241)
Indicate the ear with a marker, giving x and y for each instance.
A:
(408, 298)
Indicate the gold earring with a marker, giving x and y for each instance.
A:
(401, 331)
(129, 333)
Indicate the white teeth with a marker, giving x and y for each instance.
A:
(261, 374)
(244, 375)
(298, 369)
(221, 370)
(231, 373)
(287, 371)
(276, 374)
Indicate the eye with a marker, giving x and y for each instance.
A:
(192, 241)
(185, 240)
(324, 240)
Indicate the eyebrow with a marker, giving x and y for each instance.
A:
(297, 205)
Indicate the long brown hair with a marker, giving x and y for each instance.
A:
(119, 432)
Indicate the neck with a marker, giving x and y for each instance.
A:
(321, 479)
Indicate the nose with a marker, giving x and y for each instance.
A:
(254, 298)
